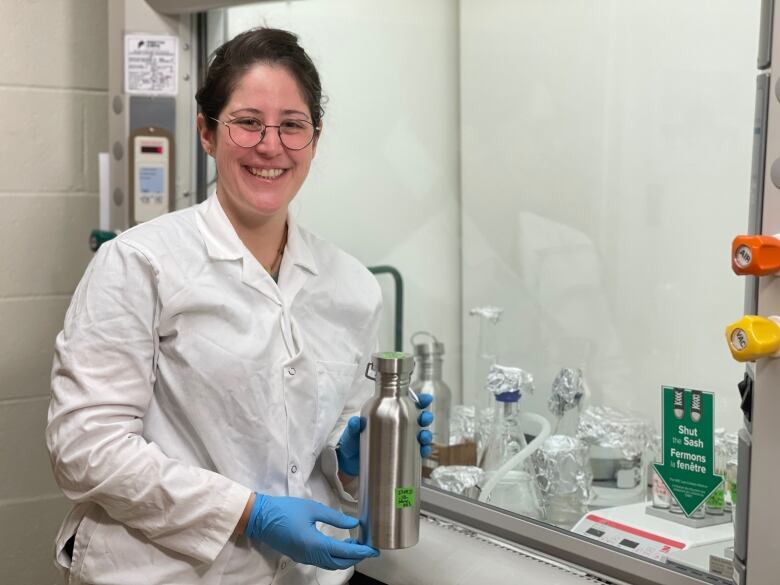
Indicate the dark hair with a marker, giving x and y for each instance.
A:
(260, 45)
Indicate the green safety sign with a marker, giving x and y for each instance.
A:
(404, 497)
(688, 450)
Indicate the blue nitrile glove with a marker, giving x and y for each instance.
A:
(348, 451)
(288, 525)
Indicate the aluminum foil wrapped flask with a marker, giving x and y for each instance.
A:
(390, 465)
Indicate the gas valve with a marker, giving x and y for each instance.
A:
(755, 255)
(754, 337)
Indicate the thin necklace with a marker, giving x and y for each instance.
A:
(274, 268)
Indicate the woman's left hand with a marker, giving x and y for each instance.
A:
(348, 451)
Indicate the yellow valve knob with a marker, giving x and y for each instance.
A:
(755, 255)
(754, 337)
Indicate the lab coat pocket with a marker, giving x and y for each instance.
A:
(83, 537)
(334, 380)
(63, 553)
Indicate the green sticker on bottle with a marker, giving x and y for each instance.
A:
(404, 497)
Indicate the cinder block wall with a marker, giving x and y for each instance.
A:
(53, 106)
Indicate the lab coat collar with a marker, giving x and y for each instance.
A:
(299, 251)
(222, 241)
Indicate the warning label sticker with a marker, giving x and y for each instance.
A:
(151, 64)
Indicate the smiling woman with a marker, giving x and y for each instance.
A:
(209, 364)
(254, 83)
(256, 183)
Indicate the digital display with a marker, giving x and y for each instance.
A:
(150, 179)
(629, 543)
(152, 149)
(595, 532)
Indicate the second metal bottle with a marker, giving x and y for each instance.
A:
(428, 359)
(390, 457)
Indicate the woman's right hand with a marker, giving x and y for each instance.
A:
(287, 525)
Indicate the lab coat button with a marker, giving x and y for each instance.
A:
(294, 469)
(291, 371)
(283, 565)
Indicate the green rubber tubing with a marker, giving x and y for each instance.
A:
(399, 301)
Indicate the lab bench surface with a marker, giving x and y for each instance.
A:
(448, 556)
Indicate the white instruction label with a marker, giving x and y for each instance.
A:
(151, 64)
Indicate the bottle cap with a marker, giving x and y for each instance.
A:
(428, 347)
(505, 380)
(508, 397)
(392, 362)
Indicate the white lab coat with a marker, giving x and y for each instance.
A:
(184, 379)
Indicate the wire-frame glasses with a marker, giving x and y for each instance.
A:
(246, 132)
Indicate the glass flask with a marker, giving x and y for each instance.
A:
(507, 437)
(515, 490)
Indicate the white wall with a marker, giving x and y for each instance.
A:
(53, 78)
(606, 169)
(384, 183)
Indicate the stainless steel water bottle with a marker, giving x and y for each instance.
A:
(390, 456)
(428, 359)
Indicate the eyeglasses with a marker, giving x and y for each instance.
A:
(249, 132)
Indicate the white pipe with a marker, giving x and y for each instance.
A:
(520, 456)
(104, 200)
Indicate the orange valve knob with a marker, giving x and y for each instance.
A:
(754, 337)
(755, 255)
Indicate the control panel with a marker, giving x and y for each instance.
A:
(151, 177)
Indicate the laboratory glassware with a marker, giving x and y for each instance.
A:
(568, 396)
(563, 479)
(487, 351)
(661, 497)
(508, 480)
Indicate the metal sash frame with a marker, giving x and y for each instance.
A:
(760, 439)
